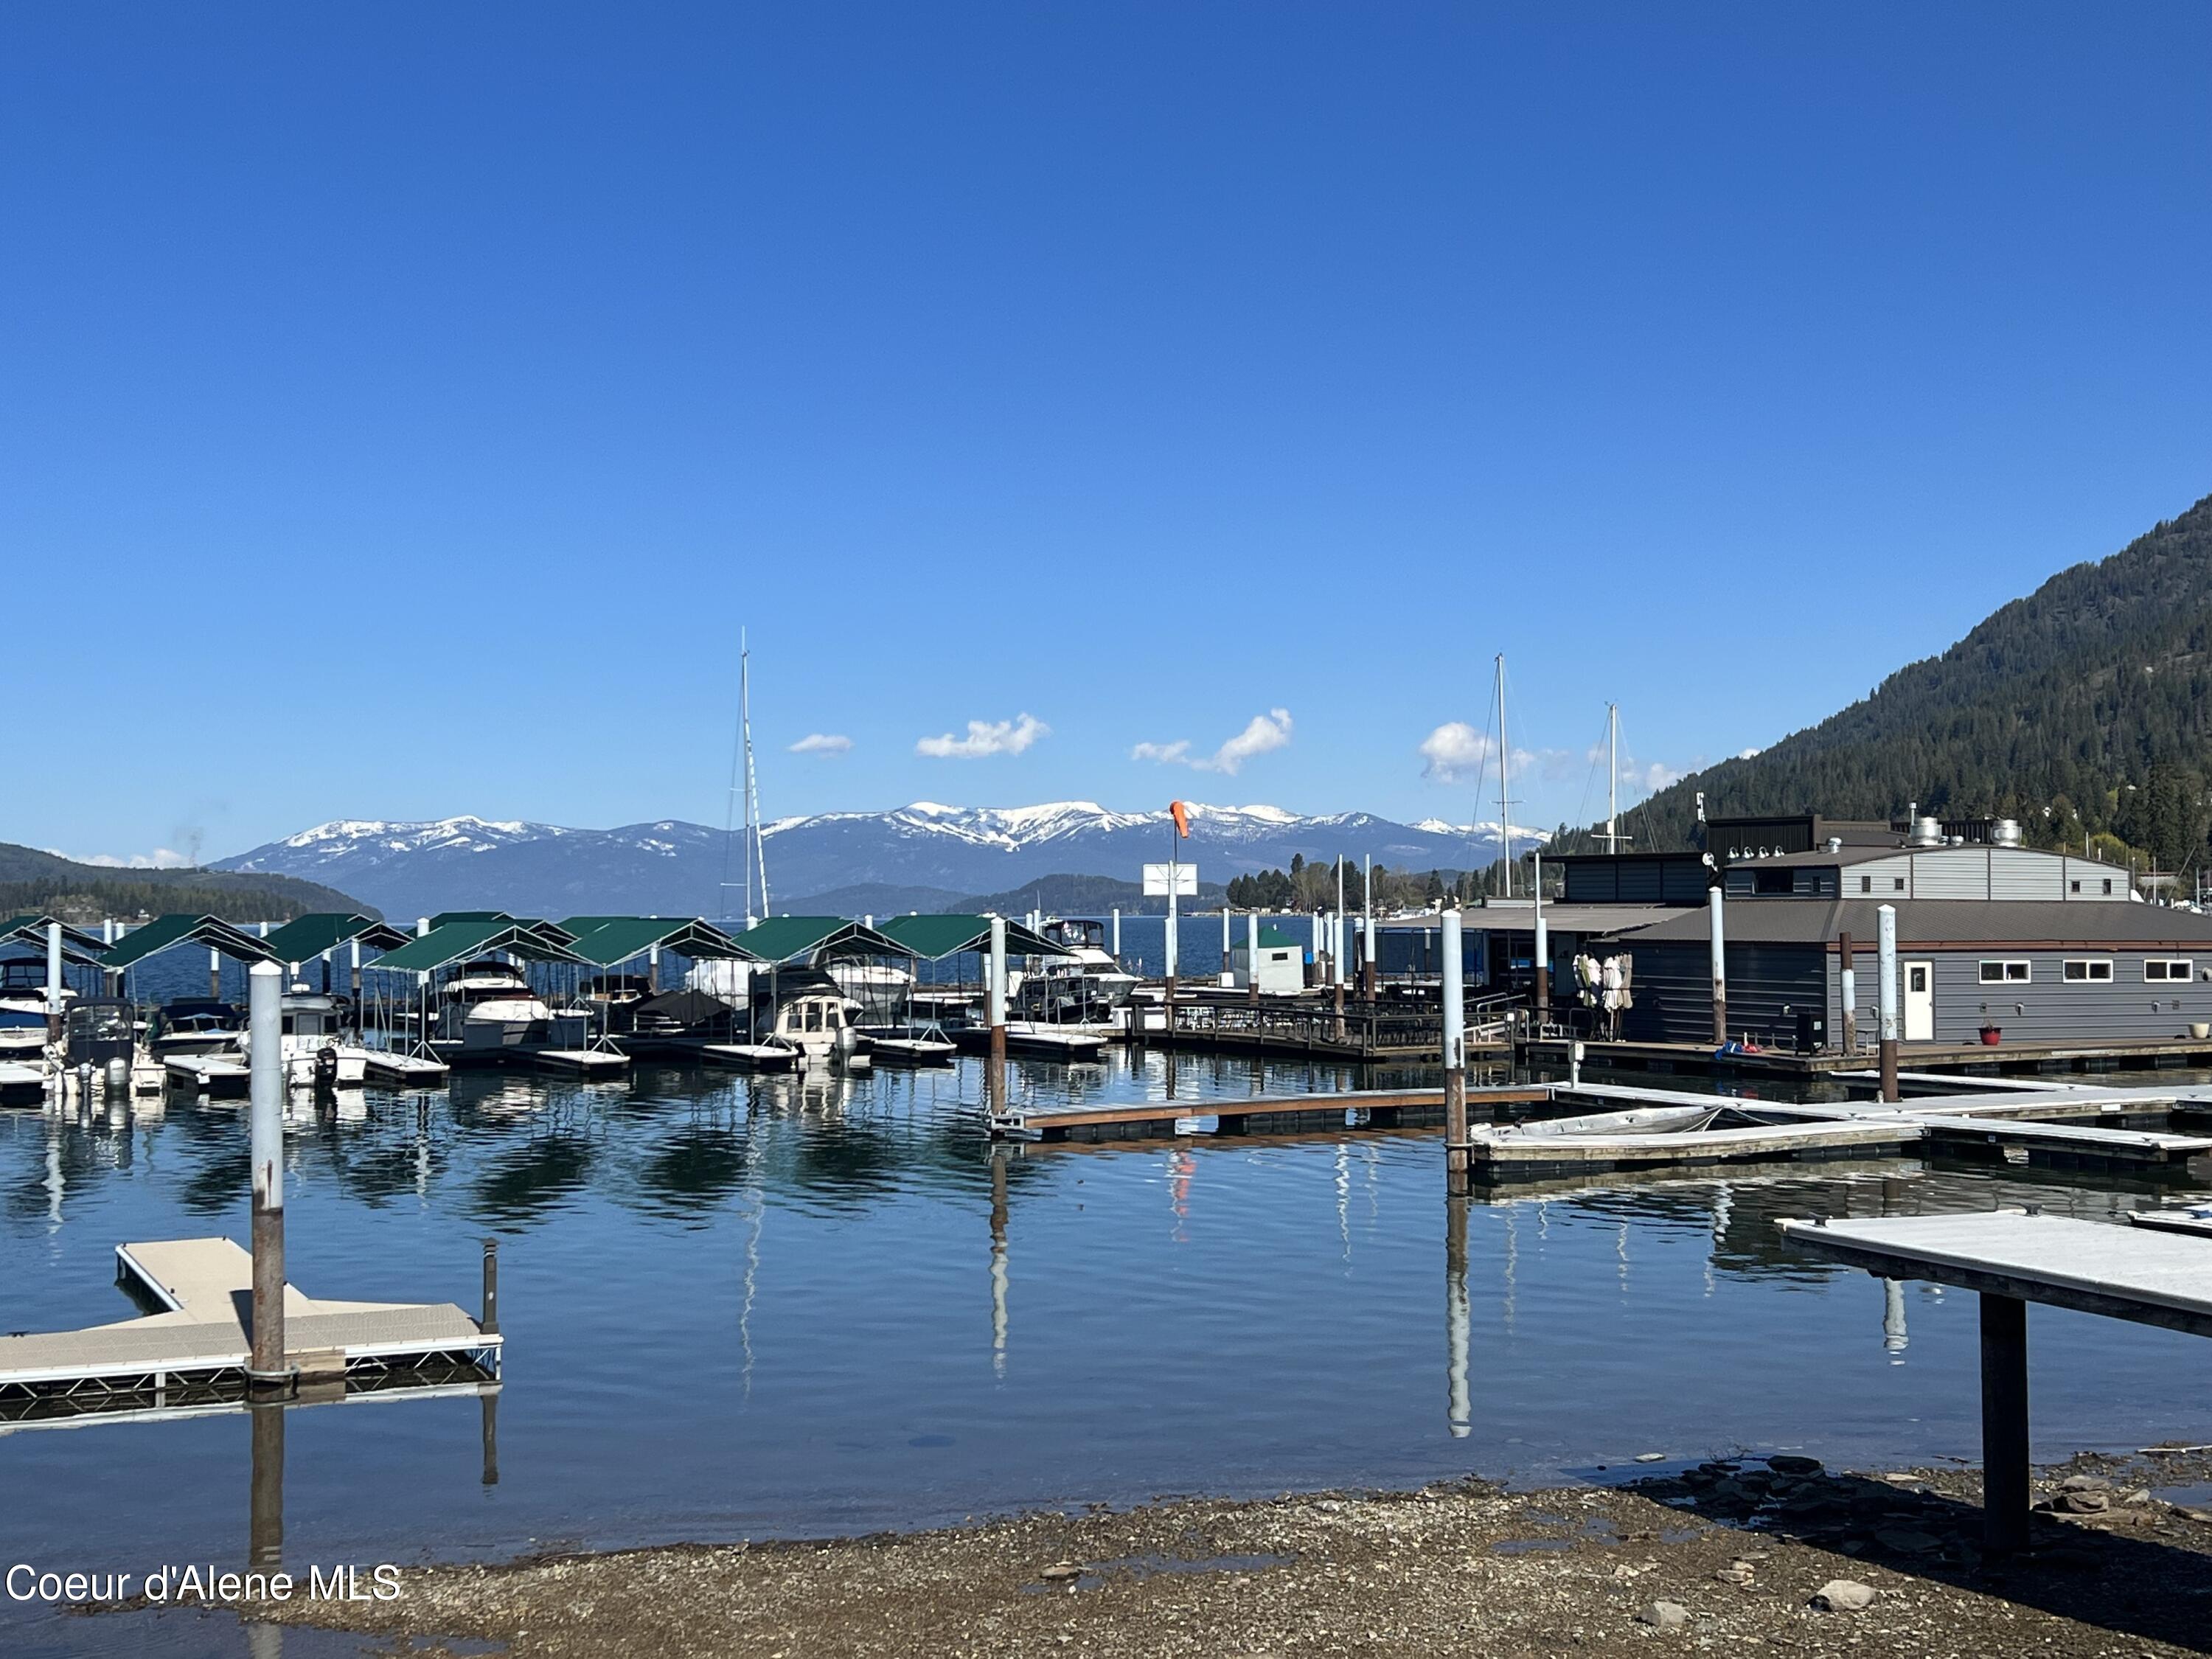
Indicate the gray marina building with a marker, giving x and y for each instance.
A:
(1992, 937)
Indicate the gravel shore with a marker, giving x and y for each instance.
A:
(1756, 1555)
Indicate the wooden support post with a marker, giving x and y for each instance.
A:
(266, 1368)
(2005, 1496)
(1454, 1011)
(489, 1321)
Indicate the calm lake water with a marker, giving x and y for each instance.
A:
(739, 1307)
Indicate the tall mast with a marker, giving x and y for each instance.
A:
(1612, 777)
(1505, 798)
(756, 848)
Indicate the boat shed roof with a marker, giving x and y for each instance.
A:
(163, 931)
(458, 941)
(1928, 923)
(305, 937)
(77, 946)
(779, 939)
(607, 941)
(555, 930)
(934, 937)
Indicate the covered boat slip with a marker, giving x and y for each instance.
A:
(196, 1343)
(406, 1009)
(2011, 1258)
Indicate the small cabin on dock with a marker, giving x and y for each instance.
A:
(1282, 967)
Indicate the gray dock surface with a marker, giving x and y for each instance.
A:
(2124, 1273)
(203, 1288)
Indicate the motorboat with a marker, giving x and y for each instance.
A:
(23, 1010)
(316, 1053)
(490, 1014)
(196, 1025)
(1083, 987)
(805, 1009)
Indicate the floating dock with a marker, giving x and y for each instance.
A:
(1260, 1114)
(209, 1074)
(196, 1347)
(1923, 1057)
(581, 1062)
(749, 1056)
(405, 1071)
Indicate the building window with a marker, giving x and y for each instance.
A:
(1898, 884)
(2168, 968)
(2095, 970)
(1866, 883)
(2077, 886)
(2005, 973)
(1771, 881)
(2108, 887)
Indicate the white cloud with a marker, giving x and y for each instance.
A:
(822, 743)
(1456, 750)
(1657, 775)
(1747, 754)
(160, 858)
(1262, 734)
(985, 738)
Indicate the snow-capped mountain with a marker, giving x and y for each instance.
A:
(674, 868)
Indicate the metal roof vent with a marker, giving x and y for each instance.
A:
(2007, 833)
(1926, 832)
(1835, 843)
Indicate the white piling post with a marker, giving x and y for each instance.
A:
(1543, 962)
(1454, 1008)
(1887, 933)
(265, 1055)
(1252, 952)
(1719, 964)
(1117, 933)
(995, 1076)
(215, 975)
(422, 926)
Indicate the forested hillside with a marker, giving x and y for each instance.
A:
(84, 893)
(2082, 709)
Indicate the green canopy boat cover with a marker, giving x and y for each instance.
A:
(779, 939)
(934, 937)
(610, 939)
(163, 931)
(305, 937)
(459, 941)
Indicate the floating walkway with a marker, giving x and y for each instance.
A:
(1946, 1058)
(404, 1071)
(581, 1062)
(1260, 1114)
(195, 1347)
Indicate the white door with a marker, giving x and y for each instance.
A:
(1919, 1001)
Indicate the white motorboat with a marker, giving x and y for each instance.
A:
(1083, 987)
(196, 1025)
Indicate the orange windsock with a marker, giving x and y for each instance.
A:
(1180, 814)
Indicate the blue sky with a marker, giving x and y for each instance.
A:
(401, 411)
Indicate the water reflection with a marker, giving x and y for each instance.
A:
(749, 1305)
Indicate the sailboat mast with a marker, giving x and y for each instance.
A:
(756, 849)
(1505, 796)
(1612, 777)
